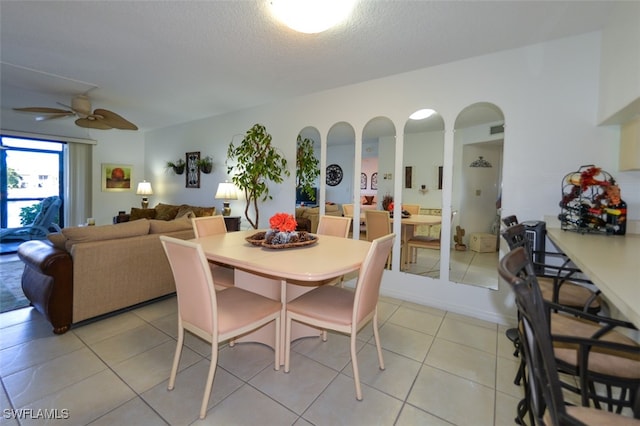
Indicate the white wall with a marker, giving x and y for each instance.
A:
(549, 96)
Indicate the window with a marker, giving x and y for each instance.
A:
(31, 171)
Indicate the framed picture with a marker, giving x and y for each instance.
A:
(193, 171)
(374, 181)
(363, 181)
(116, 177)
(440, 177)
(408, 176)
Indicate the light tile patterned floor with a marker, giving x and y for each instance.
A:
(441, 369)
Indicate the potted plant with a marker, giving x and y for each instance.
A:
(257, 163)
(205, 164)
(177, 167)
(307, 169)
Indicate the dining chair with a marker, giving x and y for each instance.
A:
(425, 242)
(558, 283)
(378, 224)
(223, 275)
(211, 315)
(344, 310)
(337, 226)
(540, 345)
(411, 208)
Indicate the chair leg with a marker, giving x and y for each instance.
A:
(376, 335)
(277, 344)
(210, 376)
(287, 343)
(176, 359)
(354, 365)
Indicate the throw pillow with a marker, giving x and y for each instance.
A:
(368, 200)
(58, 240)
(142, 213)
(185, 212)
(166, 211)
(203, 211)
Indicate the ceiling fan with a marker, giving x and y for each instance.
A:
(81, 107)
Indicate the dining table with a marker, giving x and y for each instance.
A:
(283, 273)
(611, 262)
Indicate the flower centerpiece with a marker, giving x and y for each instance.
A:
(282, 232)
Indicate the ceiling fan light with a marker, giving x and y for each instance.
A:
(311, 16)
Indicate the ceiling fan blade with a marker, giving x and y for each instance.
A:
(52, 116)
(113, 120)
(45, 110)
(92, 124)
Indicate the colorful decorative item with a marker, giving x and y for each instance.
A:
(283, 234)
(116, 177)
(591, 202)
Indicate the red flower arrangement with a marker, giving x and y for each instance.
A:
(390, 207)
(283, 222)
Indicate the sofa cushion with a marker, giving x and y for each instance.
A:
(166, 211)
(137, 213)
(83, 234)
(165, 226)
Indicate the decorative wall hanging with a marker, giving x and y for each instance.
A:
(374, 181)
(193, 171)
(334, 174)
(440, 177)
(363, 181)
(116, 177)
(408, 176)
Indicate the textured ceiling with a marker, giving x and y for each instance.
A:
(162, 63)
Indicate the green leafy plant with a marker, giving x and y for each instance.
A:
(177, 167)
(257, 163)
(205, 164)
(307, 167)
(29, 213)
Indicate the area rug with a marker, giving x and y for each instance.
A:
(11, 296)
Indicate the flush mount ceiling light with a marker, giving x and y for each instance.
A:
(421, 114)
(311, 16)
(480, 162)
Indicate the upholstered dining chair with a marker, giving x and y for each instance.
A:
(223, 275)
(213, 316)
(337, 226)
(425, 242)
(411, 208)
(541, 343)
(344, 310)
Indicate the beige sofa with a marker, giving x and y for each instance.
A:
(313, 214)
(85, 272)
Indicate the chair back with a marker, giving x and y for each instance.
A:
(49, 207)
(347, 210)
(411, 208)
(337, 226)
(543, 381)
(194, 286)
(516, 236)
(208, 225)
(370, 277)
(378, 223)
(510, 220)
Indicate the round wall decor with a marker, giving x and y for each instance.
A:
(334, 174)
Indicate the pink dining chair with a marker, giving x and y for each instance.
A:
(337, 226)
(343, 310)
(211, 315)
(223, 275)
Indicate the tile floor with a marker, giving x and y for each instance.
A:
(441, 369)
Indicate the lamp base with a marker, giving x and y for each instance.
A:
(226, 210)
(145, 203)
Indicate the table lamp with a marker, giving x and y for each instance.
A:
(226, 191)
(144, 189)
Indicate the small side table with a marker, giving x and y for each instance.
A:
(232, 223)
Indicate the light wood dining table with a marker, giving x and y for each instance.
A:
(268, 271)
(612, 262)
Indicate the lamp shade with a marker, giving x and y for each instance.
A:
(226, 191)
(144, 188)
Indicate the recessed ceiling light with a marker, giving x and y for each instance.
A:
(421, 114)
(311, 16)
